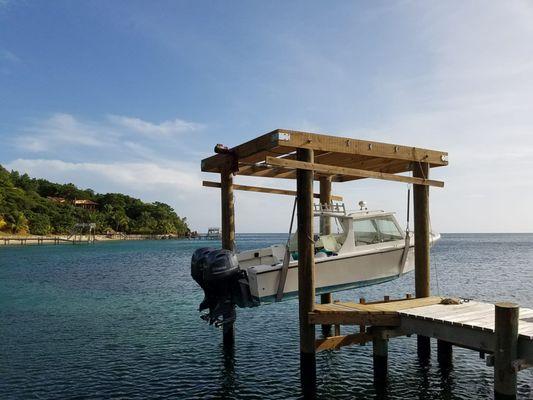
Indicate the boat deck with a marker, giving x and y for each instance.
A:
(469, 324)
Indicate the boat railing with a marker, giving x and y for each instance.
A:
(331, 208)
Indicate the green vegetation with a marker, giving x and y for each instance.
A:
(40, 207)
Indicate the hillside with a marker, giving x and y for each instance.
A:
(40, 207)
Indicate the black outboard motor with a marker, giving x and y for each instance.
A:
(224, 283)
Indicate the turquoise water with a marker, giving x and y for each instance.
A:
(119, 320)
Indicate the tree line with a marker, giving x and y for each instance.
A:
(41, 207)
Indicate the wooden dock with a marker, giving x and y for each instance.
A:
(474, 325)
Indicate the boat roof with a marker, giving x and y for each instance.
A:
(368, 214)
(363, 214)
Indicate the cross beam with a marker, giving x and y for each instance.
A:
(361, 173)
(260, 189)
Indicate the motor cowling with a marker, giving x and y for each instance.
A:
(224, 283)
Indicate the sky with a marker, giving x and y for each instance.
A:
(129, 96)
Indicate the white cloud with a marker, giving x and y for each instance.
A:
(165, 128)
(117, 134)
(6, 54)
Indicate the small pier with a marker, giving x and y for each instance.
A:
(35, 240)
(503, 331)
(474, 325)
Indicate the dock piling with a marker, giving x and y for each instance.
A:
(306, 273)
(380, 351)
(505, 351)
(444, 354)
(422, 271)
(325, 229)
(228, 236)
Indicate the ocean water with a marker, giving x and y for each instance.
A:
(120, 320)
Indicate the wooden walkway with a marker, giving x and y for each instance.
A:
(470, 324)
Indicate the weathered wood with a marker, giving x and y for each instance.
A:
(355, 318)
(380, 352)
(260, 189)
(228, 236)
(362, 327)
(336, 342)
(282, 142)
(325, 229)
(335, 144)
(219, 161)
(306, 274)
(228, 212)
(505, 352)
(344, 171)
(444, 353)
(422, 266)
(457, 334)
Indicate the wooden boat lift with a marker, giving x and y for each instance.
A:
(306, 157)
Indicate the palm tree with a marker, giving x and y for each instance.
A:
(19, 224)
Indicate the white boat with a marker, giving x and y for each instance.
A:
(370, 248)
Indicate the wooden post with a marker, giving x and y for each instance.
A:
(421, 213)
(380, 350)
(362, 328)
(306, 274)
(228, 236)
(325, 229)
(505, 352)
(444, 354)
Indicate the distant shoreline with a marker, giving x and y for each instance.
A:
(18, 240)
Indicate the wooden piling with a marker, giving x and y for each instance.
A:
(422, 267)
(325, 229)
(228, 235)
(505, 352)
(306, 273)
(380, 350)
(362, 328)
(444, 354)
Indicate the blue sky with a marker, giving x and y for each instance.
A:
(129, 96)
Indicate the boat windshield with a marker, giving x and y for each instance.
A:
(376, 230)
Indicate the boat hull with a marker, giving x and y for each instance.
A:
(332, 274)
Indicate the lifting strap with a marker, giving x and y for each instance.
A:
(286, 259)
(403, 260)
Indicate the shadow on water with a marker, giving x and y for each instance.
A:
(228, 378)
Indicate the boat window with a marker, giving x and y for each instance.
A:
(388, 229)
(365, 232)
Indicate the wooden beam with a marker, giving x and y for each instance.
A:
(459, 335)
(336, 144)
(349, 317)
(333, 170)
(218, 161)
(260, 189)
(335, 342)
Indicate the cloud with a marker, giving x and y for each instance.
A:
(165, 128)
(136, 175)
(7, 55)
(63, 134)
